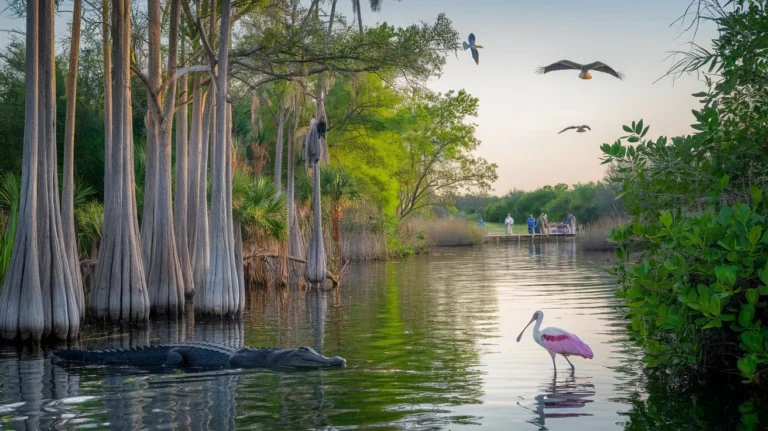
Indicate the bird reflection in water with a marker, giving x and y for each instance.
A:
(561, 399)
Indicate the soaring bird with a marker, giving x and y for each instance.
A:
(471, 46)
(584, 68)
(579, 129)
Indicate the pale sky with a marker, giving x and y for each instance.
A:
(520, 111)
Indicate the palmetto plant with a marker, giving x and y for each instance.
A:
(89, 220)
(257, 206)
(10, 192)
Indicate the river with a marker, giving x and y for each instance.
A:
(429, 342)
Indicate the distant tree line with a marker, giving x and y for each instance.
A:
(588, 202)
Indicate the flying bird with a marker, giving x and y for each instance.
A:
(557, 341)
(471, 46)
(579, 129)
(585, 68)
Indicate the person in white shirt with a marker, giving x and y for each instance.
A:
(509, 221)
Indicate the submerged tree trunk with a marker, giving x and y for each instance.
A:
(222, 296)
(165, 278)
(119, 291)
(315, 269)
(21, 305)
(60, 307)
(279, 148)
(180, 204)
(67, 188)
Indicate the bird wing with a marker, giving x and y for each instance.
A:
(602, 67)
(476, 55)
(565, 343)
(471, 38)
(466, 45)
(560, 65)
(567, 128)
(586, 127)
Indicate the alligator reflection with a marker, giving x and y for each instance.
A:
(559, 396)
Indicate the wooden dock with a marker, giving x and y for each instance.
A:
(502, 237)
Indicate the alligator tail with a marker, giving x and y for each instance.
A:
(143, 356)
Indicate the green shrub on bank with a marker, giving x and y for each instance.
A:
(698, 294)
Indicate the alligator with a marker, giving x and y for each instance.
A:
(206, 355)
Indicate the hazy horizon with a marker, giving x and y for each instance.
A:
(521, 112)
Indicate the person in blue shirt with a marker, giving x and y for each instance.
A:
(480, 223)
(531, 224)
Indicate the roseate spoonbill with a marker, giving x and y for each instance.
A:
(557, 341)
(579, 129)
(585, 68)
(471, 46)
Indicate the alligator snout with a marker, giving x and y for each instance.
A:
(337, 361)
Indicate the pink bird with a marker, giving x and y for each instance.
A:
(557, 341)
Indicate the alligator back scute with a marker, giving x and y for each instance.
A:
(142, 355)
(205, 355)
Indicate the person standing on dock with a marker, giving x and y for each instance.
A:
(571, 222)
(509, 222)
(545, 225)
(531, 225)
(480, 224)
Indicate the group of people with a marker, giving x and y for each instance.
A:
(540, 225)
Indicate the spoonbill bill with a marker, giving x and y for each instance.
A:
(473, 47)
(584, 68)
(557, 341)
(579, 129)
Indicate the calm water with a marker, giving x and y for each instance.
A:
(429, 342)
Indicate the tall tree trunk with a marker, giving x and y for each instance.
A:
(107, 93)
(195, 154)
(180, 204)
(222, 286)
(21, 304)
(356, 5)
(165, 279)
(60, 308)
(119, 291)
(279, 147)
(315, 269)
(67, 188)
(201, 254)
(296, 245)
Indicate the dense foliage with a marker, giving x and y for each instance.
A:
(698, 292)
(588, 202)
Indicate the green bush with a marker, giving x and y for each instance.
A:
(698, 294)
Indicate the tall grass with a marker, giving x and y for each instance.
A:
(363, 235)
(595, 235)
(441, 233)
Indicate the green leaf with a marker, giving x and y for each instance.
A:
(714, 323)
(645, 131)
(753, 340)
(754, 234)
(633, 139)
(723, 182)
(700, 94)
(666, 218)
(746, 315)
(627, 129)
(747, 366)
(639, 128)
(752, 296)
(757, 197)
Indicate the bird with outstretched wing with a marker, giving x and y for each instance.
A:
(583, 68)
(473, 47)
(579, 129)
